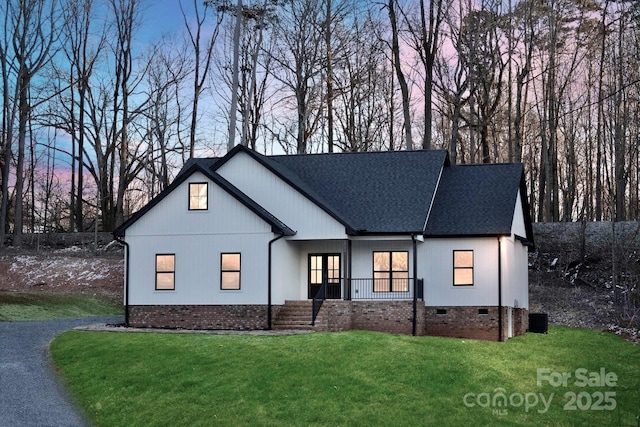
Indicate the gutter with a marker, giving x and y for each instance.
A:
(126, 279)
(269, 309)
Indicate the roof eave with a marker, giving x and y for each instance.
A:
(121, 230)
(277, 226)
(526, 212)
(386, 233)
(472, 235)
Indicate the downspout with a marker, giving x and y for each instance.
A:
(269, 310)
(415, 287)
(499, 290)
(126, 279)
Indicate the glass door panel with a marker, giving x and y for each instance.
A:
(325, 268)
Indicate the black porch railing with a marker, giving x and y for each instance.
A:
(384, 289)
(321, 295)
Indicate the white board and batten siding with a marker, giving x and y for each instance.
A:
(197, 238)
(517, 226)
(286, 271)
(436, 266)
(515, 263)
(515, 271)
(286, 203)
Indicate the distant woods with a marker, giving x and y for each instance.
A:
(100, 109)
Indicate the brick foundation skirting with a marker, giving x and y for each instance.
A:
(387, 316)
(382, 316)
(394, 317)
(234, 317)
(474, 322)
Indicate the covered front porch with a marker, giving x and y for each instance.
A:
(350, 269)
(341, 283)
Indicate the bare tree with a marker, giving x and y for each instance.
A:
(32, 25)
(82, 51)
(126, 17)
(481, 49)
(402, 81)
(453, 84)
(166, 75)
(524, 16)
(259, 18)
(235, 79)
(363, 87)
(9, 111)
(334, 13)
(202, 59)
(425, 40)
(297, 59)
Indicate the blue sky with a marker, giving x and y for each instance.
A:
(163, 17)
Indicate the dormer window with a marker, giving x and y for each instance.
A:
(198, 196)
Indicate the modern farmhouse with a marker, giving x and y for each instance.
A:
(401, 242)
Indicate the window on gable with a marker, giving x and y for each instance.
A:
(230, 271)
(198, 196)
(165, 272)
(391, 271)
(463, 268)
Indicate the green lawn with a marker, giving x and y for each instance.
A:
(352, 378)
(15, 306)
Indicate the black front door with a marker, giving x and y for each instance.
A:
(324, 268)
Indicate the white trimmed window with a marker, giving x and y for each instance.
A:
(230, 271)
(198, 196)
(165, 272)
(463, 268)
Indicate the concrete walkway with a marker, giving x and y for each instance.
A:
(30, 391)
(102, 327)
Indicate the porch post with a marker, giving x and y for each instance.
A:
(415, 287)
(347, 292)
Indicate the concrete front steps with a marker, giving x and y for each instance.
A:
(295, 315)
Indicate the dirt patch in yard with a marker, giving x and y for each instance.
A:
(587, 275)
(67, 270)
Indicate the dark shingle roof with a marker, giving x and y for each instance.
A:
(373, 192)
(475, 200)
(390, 192)
(205, 163)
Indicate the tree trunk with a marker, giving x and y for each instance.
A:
(8, 114)
(235, 78)
(404, 89)
(619, 127)
(430, 46)
(455, 126)
(327, 35)
(23, 117)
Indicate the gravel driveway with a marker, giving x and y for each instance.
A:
(30, 392)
